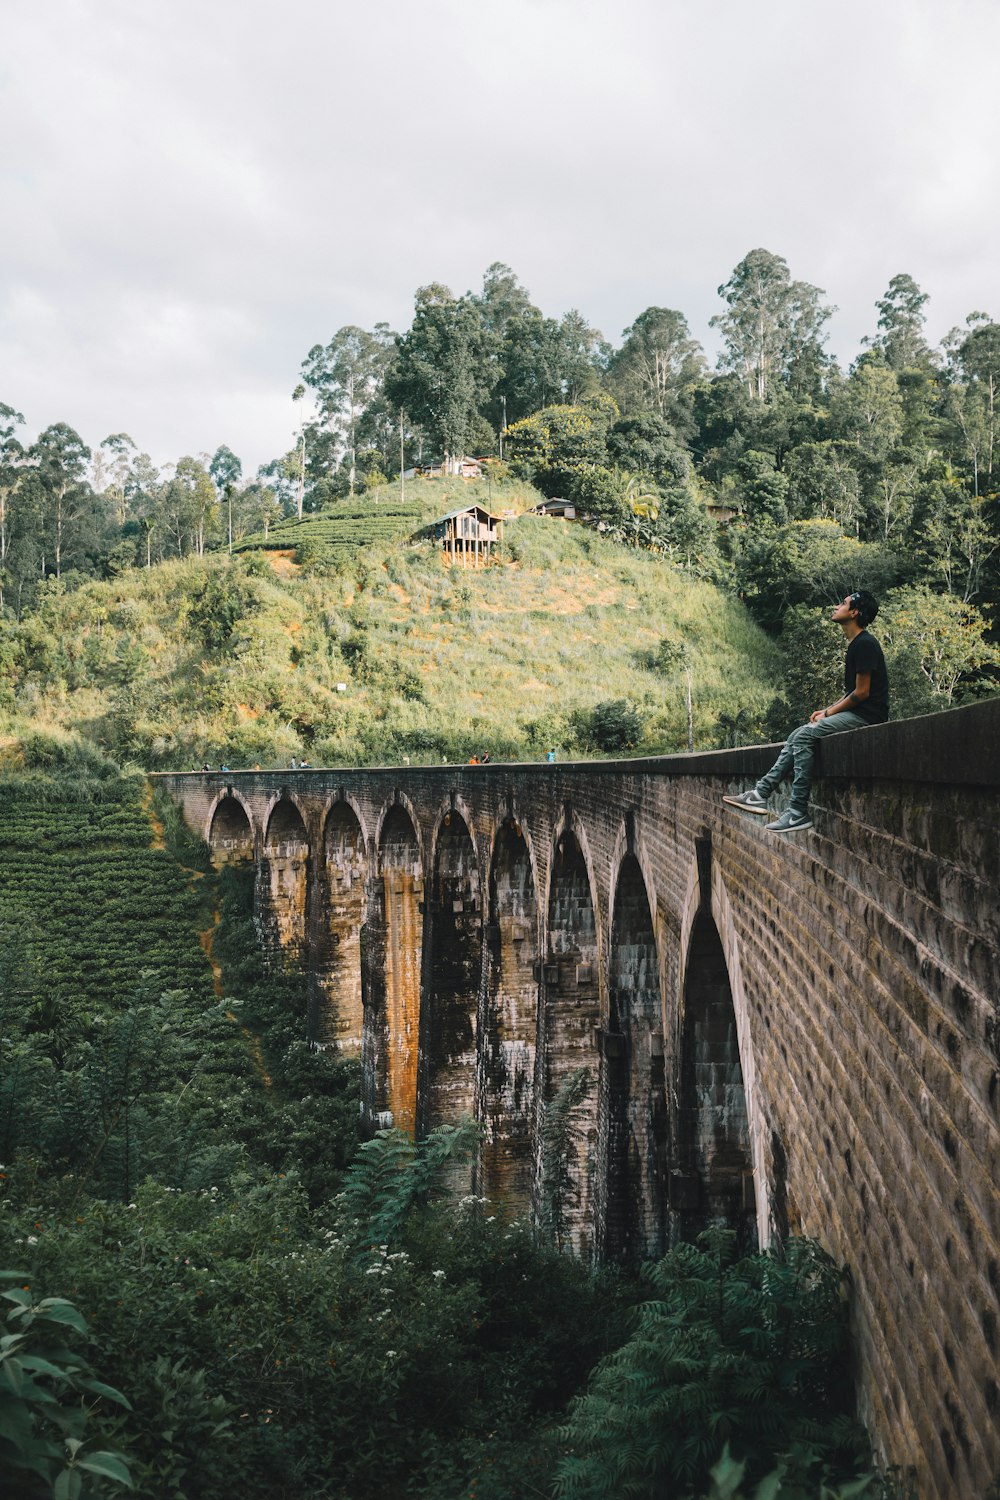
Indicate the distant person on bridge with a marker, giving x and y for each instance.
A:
(865, 701)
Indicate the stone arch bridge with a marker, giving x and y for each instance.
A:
(793, 1034)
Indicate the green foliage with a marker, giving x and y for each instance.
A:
(257, 1341)
(558, 444)
(751, 1353)
(52, 1405)
(614, 726)
(763, 490)
(224, 602)
(806, 563)
(936, 647)
(786, 1482)
(391, 1174)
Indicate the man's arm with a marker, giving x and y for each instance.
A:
(862, 687)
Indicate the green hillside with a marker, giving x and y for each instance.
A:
(370, 653)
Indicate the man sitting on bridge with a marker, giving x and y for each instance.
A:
(865, 701)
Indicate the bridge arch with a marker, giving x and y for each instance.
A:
(453, 935)
(768, 1181)
(398, 799)
(391, 968)
(571, 1007)
(283, 882)
(342, 901)
(229, 830)
(717, 1161)
(630, 841)
(509, 1024)
(633, 1091)
(451, 806)
(346, 800)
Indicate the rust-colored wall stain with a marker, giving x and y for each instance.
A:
(392, 954)
(455, 970)
(403, 898)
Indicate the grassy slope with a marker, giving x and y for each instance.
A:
(437, 661)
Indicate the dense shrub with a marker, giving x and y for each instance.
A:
(751, 1353)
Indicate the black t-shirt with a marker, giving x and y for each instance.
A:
(864, 654)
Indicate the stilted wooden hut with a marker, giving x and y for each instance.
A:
(468, 535)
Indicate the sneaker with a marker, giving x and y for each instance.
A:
(750, 801)
(789, 822)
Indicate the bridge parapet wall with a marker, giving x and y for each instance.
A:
(863, 960)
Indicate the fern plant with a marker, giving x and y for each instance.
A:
(392, 1175)
(748, 1352)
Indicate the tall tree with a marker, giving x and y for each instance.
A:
(583, 357)
(189, 509)
(12, 475)
(521, 344)
(143, 494)
(347, 375)
(867, 409)
(656, 367)
(442, 373)
(901, 318)
(61, 457)
(117, 451)
(773, 329)
(979, 356)
(225, 471)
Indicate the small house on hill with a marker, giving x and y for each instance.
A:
(565, 509)
(721, 514)
(467, 535)
(460, 468)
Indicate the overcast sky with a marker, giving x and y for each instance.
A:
(193, 194)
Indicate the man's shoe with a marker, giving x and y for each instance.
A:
(750, 801)
(789, 822)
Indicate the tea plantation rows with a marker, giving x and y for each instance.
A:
(105, 913)
(363, 523)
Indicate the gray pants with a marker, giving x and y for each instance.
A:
(796, 758)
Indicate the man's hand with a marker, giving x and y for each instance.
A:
(820, 713)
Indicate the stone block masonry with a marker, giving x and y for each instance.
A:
(792, 1034)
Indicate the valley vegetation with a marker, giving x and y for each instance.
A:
(213, 1287)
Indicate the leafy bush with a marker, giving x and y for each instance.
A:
(749, 1352)
(615, 726)
(51, 1402)
(225, 600)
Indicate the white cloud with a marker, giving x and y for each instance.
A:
(194, 194)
